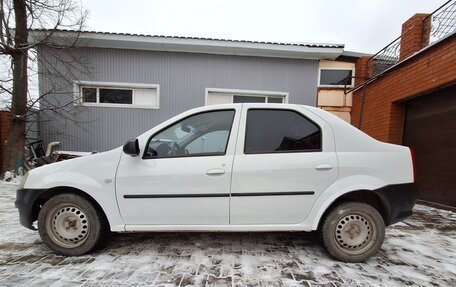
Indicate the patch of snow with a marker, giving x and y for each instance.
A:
(419, 252)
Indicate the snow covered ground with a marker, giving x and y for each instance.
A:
(420, 252)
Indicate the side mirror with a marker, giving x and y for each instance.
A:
(131, 147)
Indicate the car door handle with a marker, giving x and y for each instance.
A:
(215, 171)
(324, 167)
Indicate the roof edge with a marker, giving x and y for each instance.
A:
(188, 44)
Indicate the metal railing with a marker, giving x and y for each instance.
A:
(442, 22)
(385, 58)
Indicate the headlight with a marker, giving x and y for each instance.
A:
(23, 180)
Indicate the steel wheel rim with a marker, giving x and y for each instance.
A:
(355, 233)
(68, 225)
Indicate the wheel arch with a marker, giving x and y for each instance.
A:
(51, 192)
(365, 196)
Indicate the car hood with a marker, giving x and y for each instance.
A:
(100, 165)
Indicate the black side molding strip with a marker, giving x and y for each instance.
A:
(176, 195)
(273, 193)
(217, 194)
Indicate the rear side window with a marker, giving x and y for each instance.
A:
(270, 131)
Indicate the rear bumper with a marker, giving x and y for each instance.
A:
(25, 201)
(399, 199)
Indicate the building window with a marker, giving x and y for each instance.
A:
(119, 95)
(89, 95)
(116, 96)
(272, 131)
(274, 100)
(336, 77)
(227, 96)
(256, 99)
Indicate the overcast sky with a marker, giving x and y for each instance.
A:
(362, 25)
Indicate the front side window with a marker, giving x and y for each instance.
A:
(201, 134)
(336, 77)
(213, 142)
(270, 131)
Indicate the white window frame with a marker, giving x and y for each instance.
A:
(78, 85)
(336, 86)
(248, 93)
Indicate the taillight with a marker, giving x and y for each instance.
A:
(412, 152)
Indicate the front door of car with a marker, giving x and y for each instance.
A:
(284, 159)
(182, 176)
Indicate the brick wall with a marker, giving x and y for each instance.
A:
(383, 112)
(412, 37)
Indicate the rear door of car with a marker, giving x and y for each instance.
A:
(285, 157)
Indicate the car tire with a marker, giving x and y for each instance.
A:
(70, 225)
(353, 232)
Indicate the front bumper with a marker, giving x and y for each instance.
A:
(399, 200)
(25, 202)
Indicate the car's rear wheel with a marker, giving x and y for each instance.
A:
(353, 232)
(70, 225)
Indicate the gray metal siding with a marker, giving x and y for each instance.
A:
(32, 126)
(183, 78)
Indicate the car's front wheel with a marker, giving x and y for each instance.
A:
(353, 232)
(70, 225)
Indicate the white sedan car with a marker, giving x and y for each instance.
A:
(238, 167)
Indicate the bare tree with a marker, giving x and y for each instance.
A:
(18, 48)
